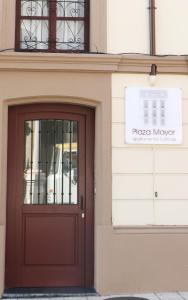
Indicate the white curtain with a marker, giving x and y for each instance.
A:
(34, 33)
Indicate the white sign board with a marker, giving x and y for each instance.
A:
(153, 115)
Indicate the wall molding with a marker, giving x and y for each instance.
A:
(108, 63)
(163, 229)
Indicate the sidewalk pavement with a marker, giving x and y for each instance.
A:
(151, 296)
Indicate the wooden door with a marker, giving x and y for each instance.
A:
(50, 196)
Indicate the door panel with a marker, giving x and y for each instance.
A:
(60, 249)
(50, 196)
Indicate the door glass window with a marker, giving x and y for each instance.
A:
(51, 162)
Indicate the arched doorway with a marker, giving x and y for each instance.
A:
(50, 196)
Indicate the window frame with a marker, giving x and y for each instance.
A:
(52, 32)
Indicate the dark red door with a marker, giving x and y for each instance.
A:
(50, 196)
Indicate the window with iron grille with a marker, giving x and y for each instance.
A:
(52, 25)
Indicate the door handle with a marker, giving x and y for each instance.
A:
(82, 207)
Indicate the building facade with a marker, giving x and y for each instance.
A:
(64, 70)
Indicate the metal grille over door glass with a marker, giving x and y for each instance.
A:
(51, 162)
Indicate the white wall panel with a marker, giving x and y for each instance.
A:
(132, 187)
(118, 110)
(141, 170)
(171, 161)
(131, 212)
(185, 112)
(132, 161)
(171, 212)
(118, 135)
(185, 135)
(172, 187)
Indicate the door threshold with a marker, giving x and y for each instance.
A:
(58, 292)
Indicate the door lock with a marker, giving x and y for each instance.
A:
(82, 207)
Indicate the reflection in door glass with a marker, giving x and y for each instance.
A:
(51, 162)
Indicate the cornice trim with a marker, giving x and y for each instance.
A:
(150, 229)
(165, 64)
(93, 63)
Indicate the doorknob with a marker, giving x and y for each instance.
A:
(82, 207)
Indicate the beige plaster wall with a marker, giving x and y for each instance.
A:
(128, 26)
(120, 26)
(171, 27)
(98, 26)
(1, 23)
(93, 89)
(136, 261)
(127, 259)
(139, 171)
(7, 24)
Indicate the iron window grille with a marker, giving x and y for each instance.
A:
(52, 25)
(51, 162)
